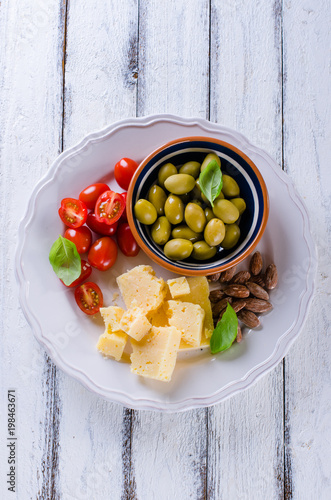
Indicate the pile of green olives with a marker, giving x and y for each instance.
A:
(182, 219)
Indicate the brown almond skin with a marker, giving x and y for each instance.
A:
(256, 264)
(214, 277)
(258, 305)
(241, 278)
(271, 277)
(239, 334)
(249, 318)
(227, 275)
(216, 295)
(238, 305)
(238, 291)
(217, 308)
(260, 280)
(257, 291)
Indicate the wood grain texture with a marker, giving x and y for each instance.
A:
(307, 134)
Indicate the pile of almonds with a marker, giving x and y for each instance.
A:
(246, 291)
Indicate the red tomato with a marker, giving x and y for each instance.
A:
(124, 217)
(126, 241)
(89, 298)
(73, 212)
(81, 237)
(100, 227)
(90, 194)
(103, 253)
(86, 272)
(109, 207)
(124, 170)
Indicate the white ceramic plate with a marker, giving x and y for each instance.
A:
(69, 336)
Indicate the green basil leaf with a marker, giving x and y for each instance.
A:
(65, 260)
(211, 181)
(225, 332)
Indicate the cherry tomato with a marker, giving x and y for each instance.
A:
(100, 227)
(89, 298)
(109, 207)
(103, 253)
(81, 237)
(86, 272)
(124, 170)
(124, 217)
(126, 241)
(73, 212)
(90, 194)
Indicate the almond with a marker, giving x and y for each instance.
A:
(241, 278)
(217, 308)
(256, 264)
(257, 290)
(249, 318)
(260, 280)
(239, 334)
(214, 277)
(271, 277)
(216, 295)
(238, 291)
(258, 305)
(238, 305)
(227, 275)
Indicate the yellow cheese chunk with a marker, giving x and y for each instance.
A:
(199, 294)
(178, 287)
(112, 344)
(141, 288)
(112, 317)
(155, 355)
(188, 318)
(159, 317)
(135, 323)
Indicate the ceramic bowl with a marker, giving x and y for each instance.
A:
(234, 163)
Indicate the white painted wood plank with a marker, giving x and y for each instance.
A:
(30, 112)
(245, 454)
(307, 133)
(100, 87)
(169, 451)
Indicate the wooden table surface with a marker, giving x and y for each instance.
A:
(262, 67)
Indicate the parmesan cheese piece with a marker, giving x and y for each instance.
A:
(199, 294)
(188, 318)
(112, 344)
(112, 316)
(135, 323)
(155, 355)
(178, 287)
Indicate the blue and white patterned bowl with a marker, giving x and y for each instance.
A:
(233, 162)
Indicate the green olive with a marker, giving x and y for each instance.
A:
(202, 251)
(185, 197)
(178, 249)
(157, 197)
(179, 183)
(174, 209)
(230, 187)
(232, 234)
(214, 232)
(195, 217)
(185, 233)
(226, 211)
(197, 202)
(145, 212)
(196, 192)
(209, 214)
(219, 197)
(240, 204)
(166, 171)
(161, 230)
(191, 168)
(210, 157)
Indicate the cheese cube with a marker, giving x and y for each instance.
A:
(178, 287)
(112, 344)
(112, 317)
(135, 323)
(159, 317)
(199, 294)
(141, 288)
(188, 318)
(155, 355)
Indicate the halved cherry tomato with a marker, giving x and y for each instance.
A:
(126, 241)
(109, 207)
(100, 227)
(103, 253)
(89, 298)
(86, 272)
(81, 237)
(91, 193)
(124, 170)
(73, 212)
(124, 217)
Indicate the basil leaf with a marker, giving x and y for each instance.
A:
(211, 181)
(225, 332)
(65, 260)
